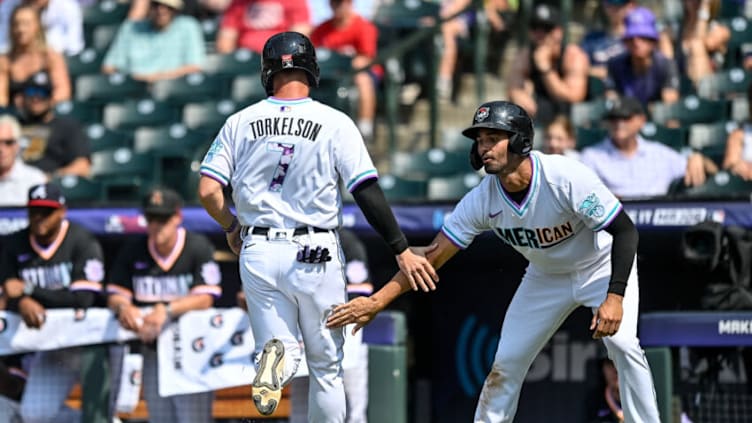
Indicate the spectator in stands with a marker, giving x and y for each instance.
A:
(738, 156)
(16, 177)
(457, 28)
(642, 72)
(560, 138)
(164, 46)
(28, 56)
(200, 9)
(53, 263)
(249, 23)
(350, 34)
(55, 144)
(698, 42)
(172, 271)
(632, 167)
(603, 44)
(62, 21)
(547, 78)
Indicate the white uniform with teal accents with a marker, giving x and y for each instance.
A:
(558, 228)
(285, 160)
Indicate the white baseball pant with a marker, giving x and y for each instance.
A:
(541, 304)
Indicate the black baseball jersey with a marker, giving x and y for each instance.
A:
(74, 261)
(140, 273)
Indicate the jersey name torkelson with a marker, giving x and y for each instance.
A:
(280, 126)
(537, 237)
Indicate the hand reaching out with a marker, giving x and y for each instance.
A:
(360, 311)
(419, 271)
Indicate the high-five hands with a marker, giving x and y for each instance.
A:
(419, 271)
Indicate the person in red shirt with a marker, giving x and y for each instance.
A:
(351, 34)
(249, 23)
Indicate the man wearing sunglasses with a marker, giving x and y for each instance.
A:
(16, 177)
(172, 271)
(54, 263)
(548, 77)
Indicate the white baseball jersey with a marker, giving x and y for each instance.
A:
(284, 160)
(553, 226)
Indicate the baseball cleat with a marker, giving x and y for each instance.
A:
(267, 385)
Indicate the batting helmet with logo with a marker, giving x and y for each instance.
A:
(508, 117)
(288, 50)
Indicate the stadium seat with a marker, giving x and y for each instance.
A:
(451, 139)
(741, 32)
(429, 163)
(240, 62)
(721, 186)
(102, 138)
(171, 139)
(403, 190)
(451, 188)
(194, 87)
(740, 109)
(588, 114)
(131, 114)
(247, 90)
(82, 111)
(125, 174)
(689, 110)
(332, 64)
(727, 83)
(102, 37)
(596, 88)
(337, 93)
(209, 29)
(710, 139)
(80, 191)
(675, 138)
(208, 116)
(585, 137)
(102, 89)
(105, 12)
(405, 14)
(87, 62)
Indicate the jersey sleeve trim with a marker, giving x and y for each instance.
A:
(454, 239)
(610, 217)
(84, 285)
(211, 173)
(119, 290)
(214, 291)
(359, 179)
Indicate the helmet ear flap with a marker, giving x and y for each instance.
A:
(520, 144)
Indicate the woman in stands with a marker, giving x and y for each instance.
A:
(29, 55)
(698, 42)
(738, 156)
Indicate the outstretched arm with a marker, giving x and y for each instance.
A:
(362, 310)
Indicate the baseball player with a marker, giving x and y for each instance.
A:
(53, 263)
(173, 271)
(285, 157)
(581, 248)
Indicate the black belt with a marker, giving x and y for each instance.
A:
(257, 230)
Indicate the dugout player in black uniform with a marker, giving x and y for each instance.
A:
(53, 263)
(172, 271)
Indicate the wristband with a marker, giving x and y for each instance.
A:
(168, 311)
(28, 288)
(232, 226)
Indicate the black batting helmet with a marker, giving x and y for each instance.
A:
(288, 50)
(504, 116)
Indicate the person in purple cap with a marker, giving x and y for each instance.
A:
(642, 71)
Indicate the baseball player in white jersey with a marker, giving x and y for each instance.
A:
(285, 157)
(580, 245)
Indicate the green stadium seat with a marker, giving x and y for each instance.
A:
(175, 139)
(741, 32)
(588, 114)
(405, 14)
(238, 63)
(675, 138)
(451, 139)
(332, 64)
(82, 111)
(105, 12)
(403, 190)
(596, 88)
(429, 163)
(337, 93)
(710, 139)
(102, 37)
(721, 186)
(451, 188)
(80, 191)
(586, 137)
(727, 83)
(208, 116)
(102, 138)
(209, 29)
(102, 89)
(740, 109)
(247, 90)
(87, 62)
(132, 114)
(194, 87)
(689, 110)
(125, 174)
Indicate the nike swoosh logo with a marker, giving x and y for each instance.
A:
(492, 215)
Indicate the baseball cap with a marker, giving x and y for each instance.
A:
(174, 4)
(624, 107)
(38, 84)
(544, 16)
(46, 195)
(162, 202)
(640, 22)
